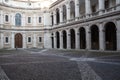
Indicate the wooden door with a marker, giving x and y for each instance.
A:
(18, 40)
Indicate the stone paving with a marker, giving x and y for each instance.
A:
(51, 64)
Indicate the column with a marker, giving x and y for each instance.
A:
(68, 12)
(2, 38)
(61, 15)
(55, 46)
(12, 40)
(24, 40)
(101, 37)
(118, 4)
(77, 39)
(54, 16)
(61, 40)
(68, 40)
(88, 8)
(77, 13)
(101, 6)
(118, 35)
(34, 40)
(88, 38)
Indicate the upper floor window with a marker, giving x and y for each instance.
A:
(57, 16)
(6, 18)
(64, 13)
(29, 19)
(72, 9)
(106, 4)
(40, 20)
(18, 19)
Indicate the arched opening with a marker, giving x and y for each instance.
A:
(64, 39)
(82, 38)
(72, 36)
(18, 40)
(64, 13)
(18, 19)
(58, 39)
(94, 37)
(110, 36)
(52, 39)
(57, 16)
(72, 9)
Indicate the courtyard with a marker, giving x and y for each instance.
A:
(53, 64)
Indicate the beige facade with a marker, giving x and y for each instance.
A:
(32, 33)
(66, 24)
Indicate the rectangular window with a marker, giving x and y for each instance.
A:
(29, 19)
(106, 4)
(29, 39)
(6, 18)
(6, 39)
(40, 20)
(40, 39)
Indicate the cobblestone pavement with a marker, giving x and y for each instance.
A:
(51, 64)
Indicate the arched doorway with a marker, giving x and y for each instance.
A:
(94, 37)
(72, 36)
(110, 36)
(18, 40)
(58, 39)
(82, 38)
(64, 39)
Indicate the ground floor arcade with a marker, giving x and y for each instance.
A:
(103, 36)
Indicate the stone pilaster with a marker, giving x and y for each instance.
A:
(68, 12)
(61, 40)
(77, 39)
(13, 40)
(88, 38)
(55, 46)
(68, 40)
(13, 19)
(1, 18)
(77, 12)
(24, 41)
(88, 8)
(61, 15)
(118, 35)
(101, 6)
(2, 38)
(118, 4)
(54, 16)
(101, 37)
(23, 20)
(35, 20)
(34, 41)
